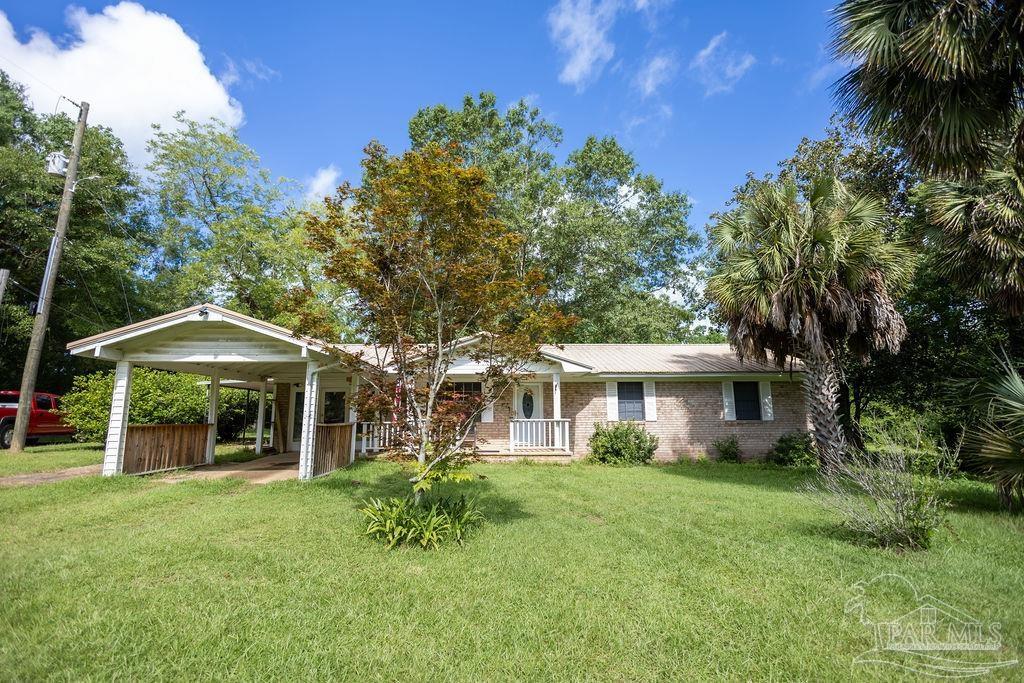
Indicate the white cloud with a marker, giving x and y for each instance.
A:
(651, 11)
(135, 67)
(655, 73)
(650, 126)
(580, 30)
(718, 68)
(323, 183)
(828, 72)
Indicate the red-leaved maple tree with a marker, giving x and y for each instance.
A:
(434, 278)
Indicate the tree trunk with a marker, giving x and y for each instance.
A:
(822, 388)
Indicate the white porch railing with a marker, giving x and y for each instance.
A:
(375, 437)
(538, 435)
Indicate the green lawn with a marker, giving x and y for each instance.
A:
(582, 572)
(57, 456)
(64, 455)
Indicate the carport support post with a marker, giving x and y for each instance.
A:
(260, 410)
(310, 407)
(117, 427)
(211, 418)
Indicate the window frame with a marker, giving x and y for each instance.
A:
(756, 403)
(630, 407)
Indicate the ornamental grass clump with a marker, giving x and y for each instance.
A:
(883, 498)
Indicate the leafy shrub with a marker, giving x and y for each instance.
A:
(622, 443)
(157, 397)
(795, 449)
(916, 435)
(400, 521)
(882, 498)
(728, 449)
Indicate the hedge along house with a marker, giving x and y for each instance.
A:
(687, 395)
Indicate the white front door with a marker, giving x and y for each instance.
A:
(529, 402)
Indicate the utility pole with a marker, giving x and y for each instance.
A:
(35, 346)
(4, 275)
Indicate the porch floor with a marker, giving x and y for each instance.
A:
(270, 468)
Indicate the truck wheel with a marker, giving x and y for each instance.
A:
(6, 436)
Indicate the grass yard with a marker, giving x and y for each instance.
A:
(582, 572)
(61, 456)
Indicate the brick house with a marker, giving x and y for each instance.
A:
(689, 395)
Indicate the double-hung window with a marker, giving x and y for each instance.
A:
(748, 400)
(631, 401)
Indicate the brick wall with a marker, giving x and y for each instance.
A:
(689, 417)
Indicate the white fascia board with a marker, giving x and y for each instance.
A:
(711, 376)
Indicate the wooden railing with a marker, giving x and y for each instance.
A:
(375, 437)
(152, 448)
(332, 448)
(538, 435)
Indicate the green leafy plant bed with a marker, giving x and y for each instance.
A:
(428, 524)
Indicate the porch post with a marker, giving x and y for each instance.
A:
(273, 414)
(556, 409)
(117, 426)
(211, 418)
(310, 406)
(260, 419)
(353, 417)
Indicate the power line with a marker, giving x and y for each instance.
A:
(68, 311)
(38, 80)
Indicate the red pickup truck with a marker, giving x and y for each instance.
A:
(44, 421)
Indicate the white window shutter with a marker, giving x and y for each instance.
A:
(650, 403)
(488, 413)
(728, 402)
(767, 410)
(612, 394)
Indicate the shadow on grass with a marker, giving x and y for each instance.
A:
(365, 480)
(747, 474)
(968, 495)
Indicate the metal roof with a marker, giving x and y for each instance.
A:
(657, 359)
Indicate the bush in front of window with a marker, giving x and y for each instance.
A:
(795, 449)
(622, 443)
(728, 449)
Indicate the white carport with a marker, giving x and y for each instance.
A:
(229, 347)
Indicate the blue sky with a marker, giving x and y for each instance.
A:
(701, 92)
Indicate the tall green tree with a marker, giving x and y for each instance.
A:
(943, 77)
(228, 231)
(978, 242)
(611, 241)
(809, 277)
(101, 281)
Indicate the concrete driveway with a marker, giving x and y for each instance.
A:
(277, 467)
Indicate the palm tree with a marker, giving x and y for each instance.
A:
(996, 443)
(980, 242)
(808, 278)
(943, 77)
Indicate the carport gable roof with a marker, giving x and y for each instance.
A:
(198, 313)
(207, 338)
